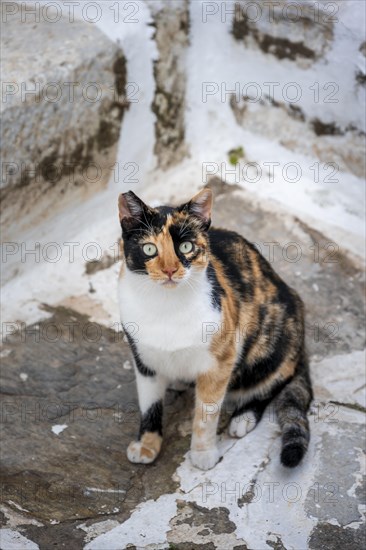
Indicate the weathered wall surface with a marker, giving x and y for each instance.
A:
(314, 39)
(287, 123)
(170, 73)
(286, 30)
(63, 103)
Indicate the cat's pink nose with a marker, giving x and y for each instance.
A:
(169, 271)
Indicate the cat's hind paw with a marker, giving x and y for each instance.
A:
(243, 424)
(146, 450)
(205, 460)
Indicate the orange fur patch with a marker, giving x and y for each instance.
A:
(150, 444)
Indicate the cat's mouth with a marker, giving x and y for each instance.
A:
(170, 283)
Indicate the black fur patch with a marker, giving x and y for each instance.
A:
(151, 222)
(247, 375)
(292, 453)
(217, 290)
(256, 406)
(152, 420)
(181, 233)
(141, 367)
(228, 247)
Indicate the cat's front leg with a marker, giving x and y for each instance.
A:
(210, 393)
(151, 390)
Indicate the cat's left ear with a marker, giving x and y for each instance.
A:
(201, 206)
(132, 210)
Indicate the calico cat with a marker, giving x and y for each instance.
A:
(207, 308)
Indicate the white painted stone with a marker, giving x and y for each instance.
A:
(58, 428)
(148, 524)
(13, 540)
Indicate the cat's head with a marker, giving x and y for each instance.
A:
(167, 244)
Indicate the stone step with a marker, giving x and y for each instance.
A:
(62, 107)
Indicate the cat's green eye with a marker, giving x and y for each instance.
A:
(149, 249)
(186, 247)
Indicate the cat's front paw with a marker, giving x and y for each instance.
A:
(139, 453)
(205, 460)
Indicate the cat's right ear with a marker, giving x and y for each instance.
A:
(132, 210)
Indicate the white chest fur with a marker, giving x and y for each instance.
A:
(172, 327)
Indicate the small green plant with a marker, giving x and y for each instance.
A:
(235, 155)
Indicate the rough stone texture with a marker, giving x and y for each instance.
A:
(310, 37)
(288, 124)
(172, 38)
(336, 475)
(73, 487)
(285, 31)
(198, 524)
(68, 371)
(55, 138)
(332, 537)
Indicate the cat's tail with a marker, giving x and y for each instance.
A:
(291, 407)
